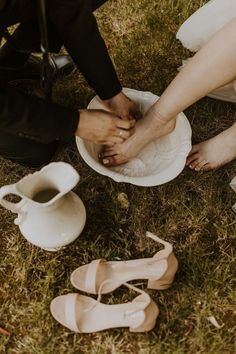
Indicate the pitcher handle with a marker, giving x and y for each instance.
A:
(4, 191)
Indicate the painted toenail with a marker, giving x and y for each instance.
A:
(105, 161)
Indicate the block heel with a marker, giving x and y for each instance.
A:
(167, 279)
(151, 314)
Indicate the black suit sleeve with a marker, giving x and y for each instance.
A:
(3, 4)
(77, 27)
(35, 118)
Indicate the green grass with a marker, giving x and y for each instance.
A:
(194, 212)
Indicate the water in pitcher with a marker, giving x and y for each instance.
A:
(45, 195)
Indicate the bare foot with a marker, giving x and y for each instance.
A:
(215, 152)
(147, 129)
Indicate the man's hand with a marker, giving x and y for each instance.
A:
(123, 107)
(103, 127)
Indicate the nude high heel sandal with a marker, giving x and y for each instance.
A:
(159, 270)
(167, 278)
(82, 314)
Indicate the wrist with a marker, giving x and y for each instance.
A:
(114, 100)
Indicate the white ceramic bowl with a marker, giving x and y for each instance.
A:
(168, 153)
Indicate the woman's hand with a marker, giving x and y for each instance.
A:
(103, 127)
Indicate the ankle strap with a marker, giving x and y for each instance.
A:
(168, 246)
(142, 292)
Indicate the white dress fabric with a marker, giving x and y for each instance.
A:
(205, 22)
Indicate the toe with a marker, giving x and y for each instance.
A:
(124, 134)
(115, 140)
(115, 160)
(207, 167)
(107, 153)
(191, 159)
(200, 166)
(195, 149)
(197, 168)
(194, 164)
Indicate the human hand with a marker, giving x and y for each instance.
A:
(122, 106)
(103, 127)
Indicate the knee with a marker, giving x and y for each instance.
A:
(191, 34)
(205, 22)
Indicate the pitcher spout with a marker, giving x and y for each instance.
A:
(49, 184)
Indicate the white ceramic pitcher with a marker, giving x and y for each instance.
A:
(50, 215)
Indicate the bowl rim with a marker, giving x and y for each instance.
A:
(145, 181)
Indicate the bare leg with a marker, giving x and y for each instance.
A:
(213, 66)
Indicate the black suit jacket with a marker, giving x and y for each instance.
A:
(75, 25)
(2, 4)
(35, 118)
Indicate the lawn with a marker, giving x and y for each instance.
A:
(194, 212)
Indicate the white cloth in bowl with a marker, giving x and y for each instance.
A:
(153, 159)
